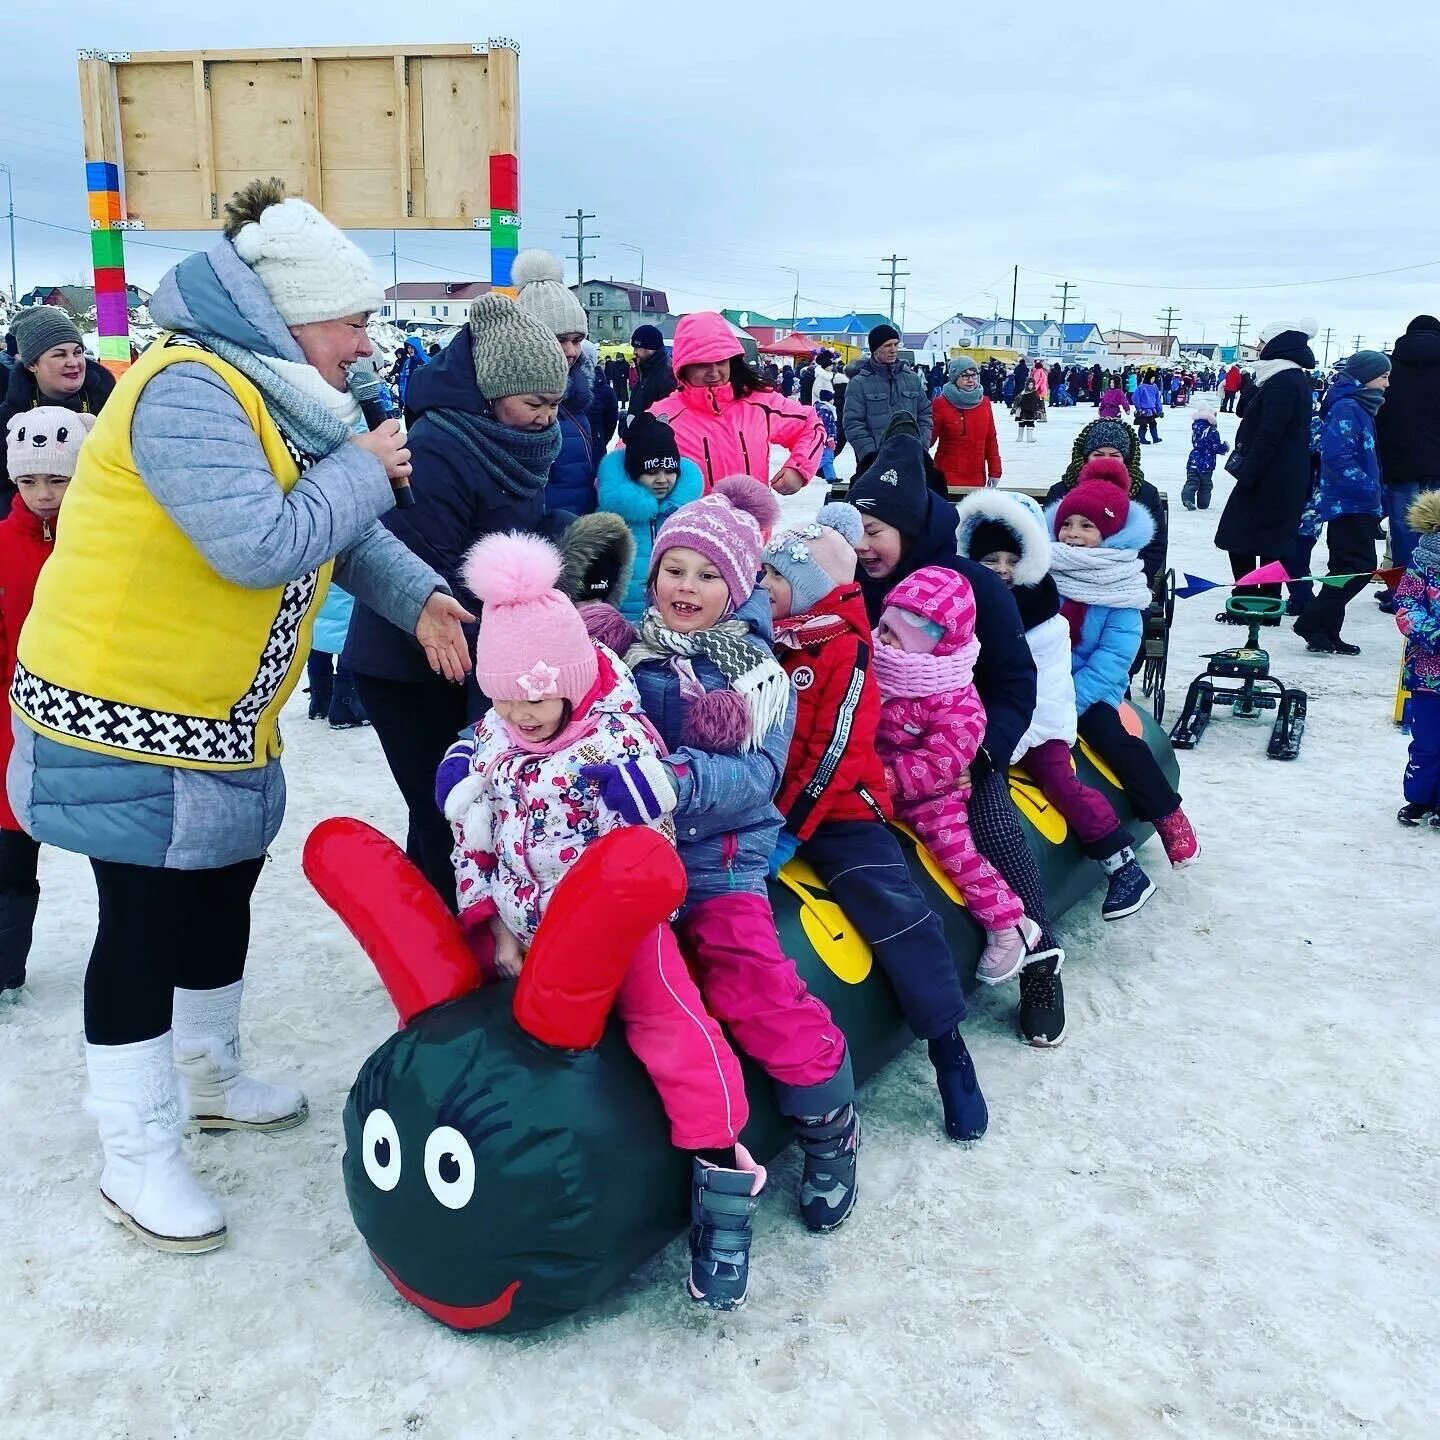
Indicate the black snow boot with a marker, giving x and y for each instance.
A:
(722, 1204)
(17, 928)
(1042, 1005)
(828, 1185)
(966, 1115)
(346, 712)
(1413, 814)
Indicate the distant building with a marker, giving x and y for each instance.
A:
(615, 309)
(959, 332)
(1003, 335)
(78, 299)
(1082, 339)
(851, 329)
(1131, 345)
(432, 302)
(763, 329)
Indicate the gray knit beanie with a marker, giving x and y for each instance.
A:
(41, 329)
(514, 354)
(540, 280)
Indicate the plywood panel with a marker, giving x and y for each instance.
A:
(457, 168)
(159, 138)
(258, 117)
(358, 112)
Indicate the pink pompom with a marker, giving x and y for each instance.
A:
(607, 625)
(1108, 469)
(754, 499)
(718, 722)
(511, 569)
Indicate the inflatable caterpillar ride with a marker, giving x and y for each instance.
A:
(507, 1160)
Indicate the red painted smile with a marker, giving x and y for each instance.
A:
(459, 1317)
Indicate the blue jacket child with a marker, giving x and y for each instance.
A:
(1206, 447)
(1349, 461)
(630, 485)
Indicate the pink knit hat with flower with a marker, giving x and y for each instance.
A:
(941, 597)
(729, 526)
(532, 643)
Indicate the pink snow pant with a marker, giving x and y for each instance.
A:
(1050, 767)
(690, 1062)
(751, 985)
(943, 825)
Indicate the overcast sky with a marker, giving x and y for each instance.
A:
(1155, 161)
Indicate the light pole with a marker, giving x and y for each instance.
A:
(795, 306)
(624, 245)
(10, 186)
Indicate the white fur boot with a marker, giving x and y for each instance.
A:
(218, 1094)
(146, 1184)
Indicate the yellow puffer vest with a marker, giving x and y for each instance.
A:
(135, 647)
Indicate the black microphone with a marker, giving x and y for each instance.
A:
(365, 387)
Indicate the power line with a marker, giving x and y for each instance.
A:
(1169, 317)
(1239, 330)
(895, 276)
(129, 236)
(580, 217)
(1230, 289)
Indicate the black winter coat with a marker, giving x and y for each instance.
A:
(1005, 671)
(1262, 515)
(23, 394)
(657, 380)
(456, 504)
(1407, 429)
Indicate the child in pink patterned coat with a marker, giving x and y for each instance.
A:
(931, 726)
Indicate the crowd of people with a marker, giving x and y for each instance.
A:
(563, 637)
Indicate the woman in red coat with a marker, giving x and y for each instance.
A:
(41, 447)
(968, 455)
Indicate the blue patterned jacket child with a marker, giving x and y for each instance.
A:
(1206, 447)
(1349, 462)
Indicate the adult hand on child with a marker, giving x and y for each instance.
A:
(639, 791)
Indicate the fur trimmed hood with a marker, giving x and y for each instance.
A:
(1135, 534)
(1424, 513)
(1017, 513)
(599, 555)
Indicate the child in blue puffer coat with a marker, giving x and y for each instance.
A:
(1206, 447)
(1096, 566)
(645, 483)
(709, 683)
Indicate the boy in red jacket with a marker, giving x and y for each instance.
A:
(835, 801)
(41, 448)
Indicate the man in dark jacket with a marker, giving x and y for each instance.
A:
(657, 379)
(1407, 432)
(881, 388)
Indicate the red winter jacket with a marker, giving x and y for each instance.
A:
(968, 449)
(833, 772)
(26, 543)
(1234, 379)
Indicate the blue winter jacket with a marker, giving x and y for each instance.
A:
(1349, 461)
(571, 485)
(726, 821)
(644, 515)
(1206, 447)
(1146, 399)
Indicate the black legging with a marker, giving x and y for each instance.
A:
(1150, 794)
(417, 722)
(995, 824)
(1244, 564)
(159, 929)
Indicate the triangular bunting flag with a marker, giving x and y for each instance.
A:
(1334, 581)
(1195, 585)
(1271, 574)
(1390, 578)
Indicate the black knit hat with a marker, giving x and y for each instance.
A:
(1423, 323)
(992, 535)
(882, 335)
(650, 448)
(648, 337)
(894, 488)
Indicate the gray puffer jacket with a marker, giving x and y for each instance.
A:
(201, 460)
(875, 393)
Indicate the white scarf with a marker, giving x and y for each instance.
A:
(311, 384)
(1113, 577)
(1269, 369)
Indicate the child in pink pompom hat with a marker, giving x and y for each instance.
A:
(565, 757)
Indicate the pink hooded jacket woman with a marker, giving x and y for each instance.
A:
(725, 436)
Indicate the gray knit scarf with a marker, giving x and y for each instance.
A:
(962, 399)
(518, 461)
(1100, 577)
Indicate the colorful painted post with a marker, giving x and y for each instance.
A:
(107, 208)
(504, 219)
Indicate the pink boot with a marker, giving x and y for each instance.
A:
(1178, 837)
(1007, 952)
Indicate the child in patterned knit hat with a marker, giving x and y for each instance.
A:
(835, 799)
(931, 728)
(709, 682)
(565, 758)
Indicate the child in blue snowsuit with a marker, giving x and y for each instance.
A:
(1205, 447)
(1417, 613)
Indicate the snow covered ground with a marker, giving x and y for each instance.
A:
(1211, 1213)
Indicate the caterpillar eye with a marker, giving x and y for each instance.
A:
(449, 1167)
(380, 1147)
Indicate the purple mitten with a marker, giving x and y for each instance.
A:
(639, 790)
(453, 769)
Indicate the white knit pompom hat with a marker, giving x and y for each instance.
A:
(310, 270)
(539, 279)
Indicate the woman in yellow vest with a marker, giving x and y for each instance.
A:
(228, 478)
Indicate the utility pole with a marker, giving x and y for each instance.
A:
(1014, 291)
(1329, 331)
(10, 186)
(894, 277)
(1358, 339)
(579, 237)
(394, 278)
(1064, 298)
(1169, 317)
(1239, 331)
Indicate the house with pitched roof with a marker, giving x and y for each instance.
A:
(431, 302)
(615, 308)
(1082, 339)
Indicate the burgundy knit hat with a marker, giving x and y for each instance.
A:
(1107, 468)
(1100, 502)
(729, 526)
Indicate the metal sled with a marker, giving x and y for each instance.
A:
(1155, 648)
(1249, 665)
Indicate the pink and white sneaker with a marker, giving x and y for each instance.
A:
(1177, 835)
(1007, 952)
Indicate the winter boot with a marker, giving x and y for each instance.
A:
(1413, 814)
(1042, 1005)
(966, 1115)
(17, 927)
(146, 1185)
(1178, 837)
(828, 1184)
(346, 711)
(1342, 647)
(218, 1094)
(1130, 886)
(722, 1203)
(1007, 952)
